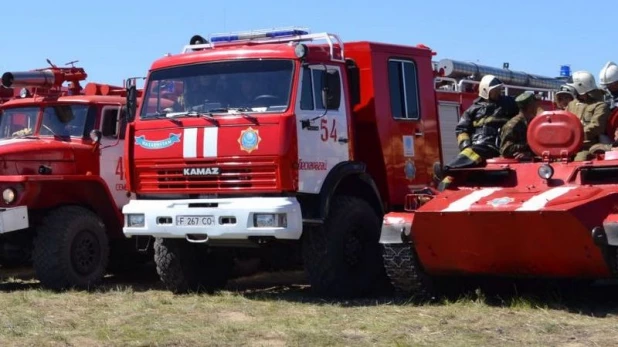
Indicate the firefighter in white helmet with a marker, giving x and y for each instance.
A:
(478, 130)
(608, 79)
(591, 110)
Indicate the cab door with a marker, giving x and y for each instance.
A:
(412, 142)
(322, 133)
(112, 127)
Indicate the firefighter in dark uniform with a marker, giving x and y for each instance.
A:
(513, 136)
(591, 109)
(479, 127)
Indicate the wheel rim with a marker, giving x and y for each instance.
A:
(85, 252)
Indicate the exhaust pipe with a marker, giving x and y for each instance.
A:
(44, 78)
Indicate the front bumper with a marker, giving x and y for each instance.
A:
(14, 218)
(216, 219)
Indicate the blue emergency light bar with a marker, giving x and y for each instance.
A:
(259, 34)
(275, 35)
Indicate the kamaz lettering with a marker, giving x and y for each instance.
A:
(203, 171)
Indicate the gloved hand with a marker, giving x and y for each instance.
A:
(464, 144)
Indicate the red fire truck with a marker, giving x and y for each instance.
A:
(280, 136)
(61, 177)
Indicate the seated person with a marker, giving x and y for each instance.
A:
(590, 108)
(56, 122)
(513, 142)
(478, 129)
(197, 92)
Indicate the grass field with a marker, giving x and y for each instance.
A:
(279, 310)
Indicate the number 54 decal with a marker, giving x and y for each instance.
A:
(329, 131)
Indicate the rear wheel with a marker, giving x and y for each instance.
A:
(342, 257)
(406, 273)
(70, 249)
(186, 267)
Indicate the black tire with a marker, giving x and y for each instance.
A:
(184, 267)
(71, 249)
(342, 258)
(124, 256)
(405, 272)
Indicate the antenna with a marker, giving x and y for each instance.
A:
(72, 63)
(50, 63)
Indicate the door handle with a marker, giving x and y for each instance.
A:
(342, 140)
(418, 133)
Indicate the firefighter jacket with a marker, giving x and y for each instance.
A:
(594, 115)
(513, 137)
(480, 124)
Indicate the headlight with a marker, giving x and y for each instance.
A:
(546, 171)
(9, 195)
(300, 51)
(270, 220)
(135, 220)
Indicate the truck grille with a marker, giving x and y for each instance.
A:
(237, 174)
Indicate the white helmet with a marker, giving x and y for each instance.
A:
(487, 84)
(608, 74)
(583, 82)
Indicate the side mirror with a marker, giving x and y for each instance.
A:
(131, 100)
(95, 136)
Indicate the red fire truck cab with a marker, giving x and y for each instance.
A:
(273, 139)
(61, 176)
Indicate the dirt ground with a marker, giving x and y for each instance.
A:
(280, 310)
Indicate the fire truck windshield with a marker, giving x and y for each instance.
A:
(245, 85)
(57, 120)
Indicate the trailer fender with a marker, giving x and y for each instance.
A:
(396, 228)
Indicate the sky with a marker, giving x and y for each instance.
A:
(116, 39)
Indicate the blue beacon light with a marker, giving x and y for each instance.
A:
(250, 36)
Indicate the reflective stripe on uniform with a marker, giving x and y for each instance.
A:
(472, 155)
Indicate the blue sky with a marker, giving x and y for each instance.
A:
(117, 39)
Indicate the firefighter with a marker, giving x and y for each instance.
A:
(565, 94)
(608, 79)
(589, 106)
(513, 142)
(198, 91)
(479, 127)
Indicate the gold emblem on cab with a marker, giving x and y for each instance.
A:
(249, 139)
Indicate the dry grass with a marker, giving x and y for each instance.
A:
(260, 311)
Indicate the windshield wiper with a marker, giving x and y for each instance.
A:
(205, 115)
(241, 111)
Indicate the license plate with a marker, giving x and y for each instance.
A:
(195, 221)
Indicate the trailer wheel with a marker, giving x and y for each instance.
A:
(71, 249)
(405, 271)
(185, 267)
(342, 257)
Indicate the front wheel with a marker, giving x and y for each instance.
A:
(342, 257)
(186, 267)
(71, 249)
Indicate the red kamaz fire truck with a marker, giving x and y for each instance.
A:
(273, 139)
(61, 176)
